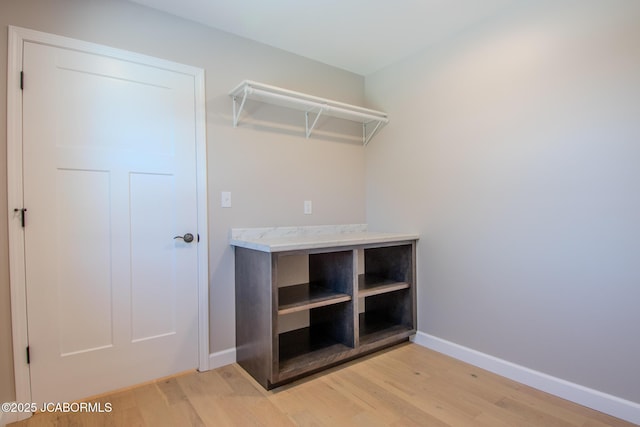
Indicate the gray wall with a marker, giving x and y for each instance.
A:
(269, 171)
(514, 150)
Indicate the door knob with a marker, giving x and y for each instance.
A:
(188, 238)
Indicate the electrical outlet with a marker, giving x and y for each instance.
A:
(225, 199)
(307, 207)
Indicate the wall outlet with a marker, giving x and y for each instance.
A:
(225, 199)
(307, 207)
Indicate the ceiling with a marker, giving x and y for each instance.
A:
(361, 36)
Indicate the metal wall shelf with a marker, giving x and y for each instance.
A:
(312, 106)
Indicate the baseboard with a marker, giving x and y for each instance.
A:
(222, 358)
(594, 399)
(8, 417)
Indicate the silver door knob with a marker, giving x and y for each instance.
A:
(188, 238)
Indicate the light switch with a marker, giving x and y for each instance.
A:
(307, 207)
(225, 199)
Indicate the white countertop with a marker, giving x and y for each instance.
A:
(279, 239)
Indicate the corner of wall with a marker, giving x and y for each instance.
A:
(222, 358)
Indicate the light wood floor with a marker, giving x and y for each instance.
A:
(407, 385)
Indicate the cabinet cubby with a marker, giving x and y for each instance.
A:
(329, 334)
(348, 314)
(386, 290)
(385, 315)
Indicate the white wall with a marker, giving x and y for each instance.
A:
(266, 163)
(514, 150)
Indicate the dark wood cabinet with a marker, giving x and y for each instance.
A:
(350, 313)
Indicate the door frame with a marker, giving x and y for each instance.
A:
(17, 262)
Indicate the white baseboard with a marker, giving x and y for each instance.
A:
(8, 417)
(221, 358)
(594, 399)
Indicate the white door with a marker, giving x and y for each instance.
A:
(109, 181)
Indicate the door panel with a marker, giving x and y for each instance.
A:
(153, 261)
(109, 180)
(83, 256)
(139, 124)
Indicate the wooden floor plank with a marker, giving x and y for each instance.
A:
(406, 385)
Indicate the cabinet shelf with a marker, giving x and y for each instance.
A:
(313, 107)
(307, 296)
(302, 350)
(369, 285)
(375, 327)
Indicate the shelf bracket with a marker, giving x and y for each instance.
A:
(309, 129)
(365, 138)
(238, 110)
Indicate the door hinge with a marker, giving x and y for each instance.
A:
(28, 356)
(22, 215)
(21, 80)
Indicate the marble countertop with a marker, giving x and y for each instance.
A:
(279, 239)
